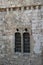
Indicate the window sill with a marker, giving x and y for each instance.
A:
(23, 54)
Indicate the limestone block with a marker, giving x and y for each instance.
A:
(2, 46)
(41, 39)
(37, 47)
(34, 25)
(36, 14)
(7, 3)
(11, 38)
(26, 17)
(36, 37)
(42, 23)
(36, 31)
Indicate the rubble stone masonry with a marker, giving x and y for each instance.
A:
(21, 14)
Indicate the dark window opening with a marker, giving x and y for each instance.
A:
(29, 7)
(14, 8)
(17, 42)
(39, 7)
(17, 29)
(9, 9)
(26, 42)
(19, 8)
(34, 7)
(26, 29)
(24, 8)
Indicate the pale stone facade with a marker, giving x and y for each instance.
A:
(21, 14)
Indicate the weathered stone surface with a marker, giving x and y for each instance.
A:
(4, 3)
(10, 20)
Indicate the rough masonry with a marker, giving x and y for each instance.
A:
(21, 14)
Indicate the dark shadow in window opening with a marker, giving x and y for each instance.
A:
(17, 42)
(26, 42)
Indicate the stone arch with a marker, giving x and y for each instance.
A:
(11, 26)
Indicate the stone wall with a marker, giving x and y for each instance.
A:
(32, 20)
(9, 3)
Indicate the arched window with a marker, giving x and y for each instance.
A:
(26, 42)
(17, 42)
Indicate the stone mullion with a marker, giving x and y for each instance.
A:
(22, 42)
(14, 43)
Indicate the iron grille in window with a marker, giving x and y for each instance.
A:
(26, 42)
(17, 42)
